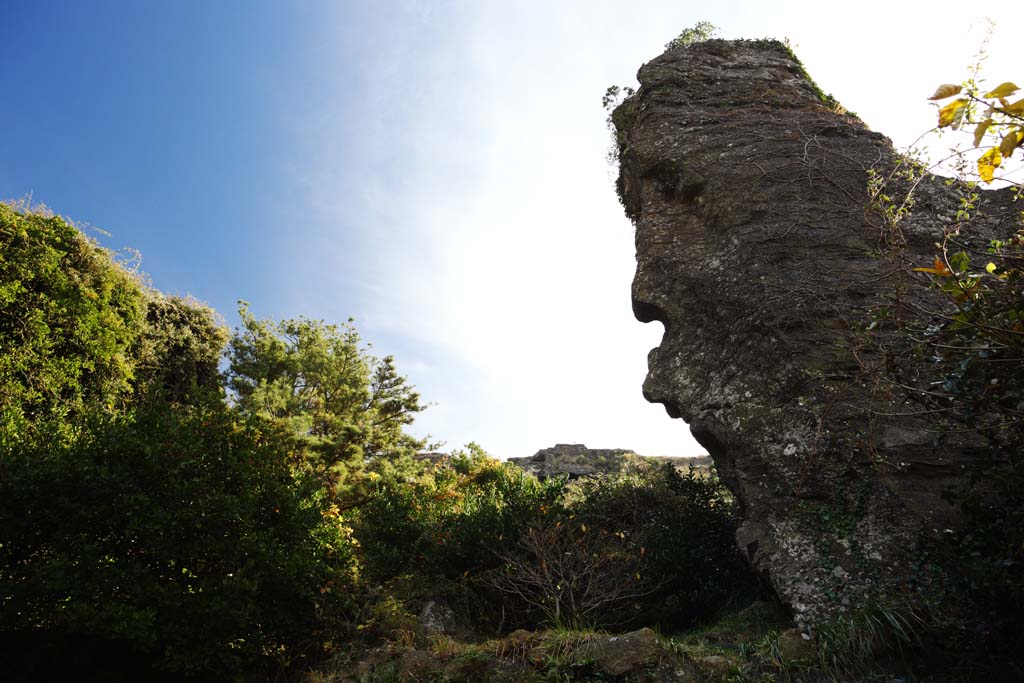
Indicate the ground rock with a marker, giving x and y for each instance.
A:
(630, 652)
(717, 667)
(675, 670)
(436, 619)
(755, 248)
(796, 646)
(417, 665)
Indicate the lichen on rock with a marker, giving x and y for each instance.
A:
(757, 250)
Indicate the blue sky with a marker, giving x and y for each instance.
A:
(434, 169)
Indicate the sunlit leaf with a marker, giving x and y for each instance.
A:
(979, 132)
(1003, 90)
(1015, 108)
(945, 90)
(988, 163)
(952, 113)
(991, 267)
(940, 269)
(1009, 143)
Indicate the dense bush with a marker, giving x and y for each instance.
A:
(651, 548)
(179, 351)
(450, 519)
(684, 526)
(434, 536)
(180, 532)
(69, 318)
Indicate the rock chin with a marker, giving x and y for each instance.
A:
(757, 250)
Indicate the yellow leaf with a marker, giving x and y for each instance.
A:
(945, 90)
(988, 163)
(583, 528)
(991, 267)
(952, 113)
(1009, 143)
(939, 269)
(1015, 108)
(979, 132)
(1003, 90)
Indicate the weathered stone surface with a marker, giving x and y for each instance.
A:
(795, 647)
(630, 652)
(717, 667)
(576, 460)
(436, 619)
(756, 249)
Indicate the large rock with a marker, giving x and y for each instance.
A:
(756, 248)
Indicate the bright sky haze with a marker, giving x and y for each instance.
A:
(435, 170)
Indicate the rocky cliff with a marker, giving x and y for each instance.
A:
(576, 460)
(759, 252)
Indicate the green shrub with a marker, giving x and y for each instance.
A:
(450, 520)
(179, 351)
(436, 535)
(683, 528)
(179, 532)
(69, 318)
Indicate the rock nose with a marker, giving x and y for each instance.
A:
(649, 301)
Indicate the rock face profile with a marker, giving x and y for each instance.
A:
(758, 250)
(576, 460)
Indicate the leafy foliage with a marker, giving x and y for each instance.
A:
(650, 548)
(998, 123)
(179, 351)
(446, 527)
(958, 354)
(69, 317)
(698, 33)
(683, 528)
(345, 408)
(156, 522)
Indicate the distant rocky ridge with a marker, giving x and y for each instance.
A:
(576, 460)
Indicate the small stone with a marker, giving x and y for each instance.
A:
(619, 655)
(716, 665)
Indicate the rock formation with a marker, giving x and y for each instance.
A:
(576, 460)
(758, 250)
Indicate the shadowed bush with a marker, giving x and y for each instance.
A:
(180, 533)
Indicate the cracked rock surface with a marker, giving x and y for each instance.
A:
(758, 250)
